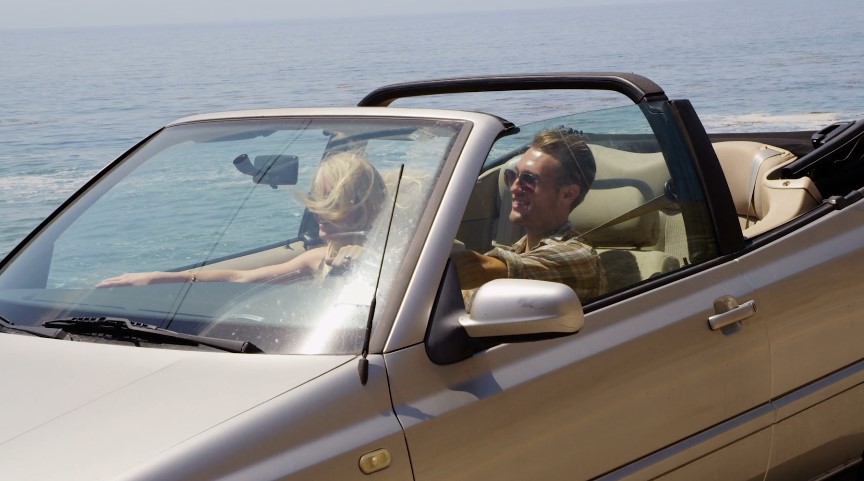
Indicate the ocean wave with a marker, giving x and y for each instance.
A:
(28, 122)
(760, 121)
(24, 188)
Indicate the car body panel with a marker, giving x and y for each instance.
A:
(318, 431)
(626, 374)
(734, 461)
(827, 433)
(142, 401)
(817, 333)
(812, 336)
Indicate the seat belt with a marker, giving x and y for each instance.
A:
(658, 203)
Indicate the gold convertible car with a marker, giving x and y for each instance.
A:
(272, 295)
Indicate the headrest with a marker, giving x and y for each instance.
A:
(607, 200)
(625, 181)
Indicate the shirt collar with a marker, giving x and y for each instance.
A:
(559, 235)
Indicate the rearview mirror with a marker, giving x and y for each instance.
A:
(272, 170)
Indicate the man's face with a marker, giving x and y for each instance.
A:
(544, 206)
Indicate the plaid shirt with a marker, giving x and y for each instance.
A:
(559, 257)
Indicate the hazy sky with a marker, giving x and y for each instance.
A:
(82, 13)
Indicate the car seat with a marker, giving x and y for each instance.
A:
(762, 199)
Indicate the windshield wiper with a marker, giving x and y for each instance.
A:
(124, 328)
(34, 330)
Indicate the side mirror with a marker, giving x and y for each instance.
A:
(503, 311)
(519, 307)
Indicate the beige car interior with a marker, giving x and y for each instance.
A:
(763, 200)
(637, 231)
(626, 216)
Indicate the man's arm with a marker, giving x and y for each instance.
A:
(475, 269)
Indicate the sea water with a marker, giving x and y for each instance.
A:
(72, 100)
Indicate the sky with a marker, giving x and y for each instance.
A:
(89, 13)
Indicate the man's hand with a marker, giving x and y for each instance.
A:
(476, 269)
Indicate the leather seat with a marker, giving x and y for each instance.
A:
(762, 199)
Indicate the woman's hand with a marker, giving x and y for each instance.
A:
(344, 258)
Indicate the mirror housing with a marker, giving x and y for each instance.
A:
(518, 307)
(504, 311)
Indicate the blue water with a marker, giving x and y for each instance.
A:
(72, 100)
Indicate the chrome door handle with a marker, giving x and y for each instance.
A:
(733, 312)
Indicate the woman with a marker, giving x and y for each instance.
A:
(347, 195)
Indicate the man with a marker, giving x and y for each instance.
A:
(551, 178)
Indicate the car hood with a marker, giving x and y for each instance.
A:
(67, 405)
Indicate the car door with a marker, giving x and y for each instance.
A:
(646, 389)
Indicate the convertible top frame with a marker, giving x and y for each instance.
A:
(637, 88)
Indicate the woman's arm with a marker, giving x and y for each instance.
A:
(304, 264)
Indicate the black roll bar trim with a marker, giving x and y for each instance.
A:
(636, 87)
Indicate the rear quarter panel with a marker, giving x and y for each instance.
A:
(810, 292)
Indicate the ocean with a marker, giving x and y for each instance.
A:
(74, 99)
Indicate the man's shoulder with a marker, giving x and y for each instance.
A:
(565, 234)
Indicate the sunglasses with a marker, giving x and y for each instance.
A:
(526, 180)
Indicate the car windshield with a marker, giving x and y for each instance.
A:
(270, 231)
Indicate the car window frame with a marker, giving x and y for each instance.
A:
(689, 156)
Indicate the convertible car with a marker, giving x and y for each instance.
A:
(727, 344)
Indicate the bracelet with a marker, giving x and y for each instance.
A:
(192, 277)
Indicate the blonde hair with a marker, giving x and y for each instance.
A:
(347, 191)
